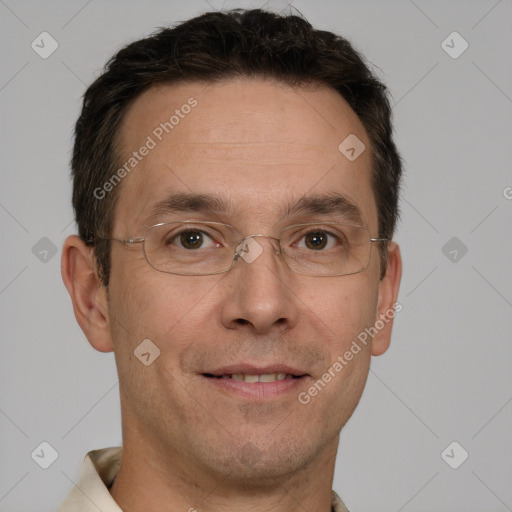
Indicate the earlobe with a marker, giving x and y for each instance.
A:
(88, 296)
(387, 303)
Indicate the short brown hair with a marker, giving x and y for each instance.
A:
(216, 46)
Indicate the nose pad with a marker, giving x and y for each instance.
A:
(249, 249)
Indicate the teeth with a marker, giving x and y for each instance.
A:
(265, 377)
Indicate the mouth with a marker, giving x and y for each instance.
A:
(248, 377)
(258, 383)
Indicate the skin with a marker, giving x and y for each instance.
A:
(187, 443)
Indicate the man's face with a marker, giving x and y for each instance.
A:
(262, 147)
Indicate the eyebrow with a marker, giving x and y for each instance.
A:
(324, 204)
(319, 204)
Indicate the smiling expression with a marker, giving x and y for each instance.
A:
(237, 348)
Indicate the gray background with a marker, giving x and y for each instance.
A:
(447, 376)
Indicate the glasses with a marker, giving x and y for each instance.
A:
(192, 248)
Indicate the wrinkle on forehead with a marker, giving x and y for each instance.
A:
(271, 153)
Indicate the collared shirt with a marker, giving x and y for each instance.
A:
(99, 469)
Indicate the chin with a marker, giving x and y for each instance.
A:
(256, 464)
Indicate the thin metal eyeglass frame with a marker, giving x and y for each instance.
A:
(237, 255)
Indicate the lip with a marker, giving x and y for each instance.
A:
(256, 390)
(249, 369)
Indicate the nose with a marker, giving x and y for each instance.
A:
(259, 295)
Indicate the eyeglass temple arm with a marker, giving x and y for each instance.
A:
(124, 241)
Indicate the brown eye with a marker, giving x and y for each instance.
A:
(316, 240)
(191, 239)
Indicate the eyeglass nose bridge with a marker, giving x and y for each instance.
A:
(250, 251)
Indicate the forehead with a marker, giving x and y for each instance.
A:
(260, 145)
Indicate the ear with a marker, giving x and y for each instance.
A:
(89, 297)
(387, 306)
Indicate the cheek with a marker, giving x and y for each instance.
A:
(344, 307)
(159, 306)
(346, 311)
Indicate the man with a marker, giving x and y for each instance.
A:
(235, 188)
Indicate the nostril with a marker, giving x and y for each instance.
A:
(242, 321)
